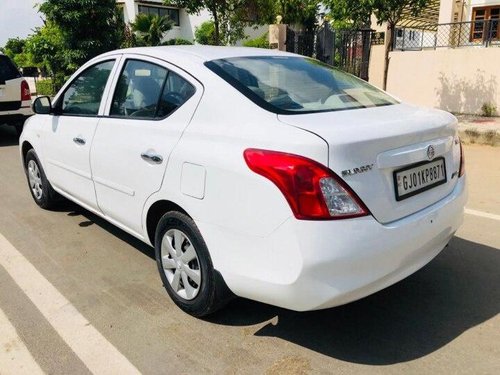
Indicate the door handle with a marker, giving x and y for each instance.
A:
(156, 159)
(79, 141)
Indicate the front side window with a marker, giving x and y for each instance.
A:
(293, 85)
(148, 91)
(138, 90)
(83, 97)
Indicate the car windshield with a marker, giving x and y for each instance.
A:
(292, 85)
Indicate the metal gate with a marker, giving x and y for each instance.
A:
(301, 42)
(346, 49)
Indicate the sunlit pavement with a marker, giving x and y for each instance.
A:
(78, 295)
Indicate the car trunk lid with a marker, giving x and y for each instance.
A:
(367, 146)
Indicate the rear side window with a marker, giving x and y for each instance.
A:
(83, 96)
(8, 70)
(175, 93)
(148, 91)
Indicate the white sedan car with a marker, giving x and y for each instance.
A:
(254, 173)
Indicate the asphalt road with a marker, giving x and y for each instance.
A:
(77, 295)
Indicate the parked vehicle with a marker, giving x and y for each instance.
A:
(257, 173)
(15, 95)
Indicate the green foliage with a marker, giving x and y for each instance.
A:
(390, 11)
(150, 28)
(489, 109)
(299, 12)
(177, 42)
(229, 16)
(14, 48)
(46, 49)
(260, 42)
(45, 87)
(356, 13)
(88, 27)
(359, 12)
(205, 33)
(128, 38)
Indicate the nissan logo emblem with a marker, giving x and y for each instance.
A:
(430, 152)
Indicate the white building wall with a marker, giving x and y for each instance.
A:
(470, 4)
(446, 11)
(187, 22)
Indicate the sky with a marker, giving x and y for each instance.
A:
(18, 18)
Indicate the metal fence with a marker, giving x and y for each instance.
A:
(348, 50)
(484, 33)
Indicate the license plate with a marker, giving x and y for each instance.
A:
(419, 177)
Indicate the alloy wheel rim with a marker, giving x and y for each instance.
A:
(181, 264)
(35, 179)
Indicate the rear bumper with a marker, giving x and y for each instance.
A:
(307, 265)
(16, 116)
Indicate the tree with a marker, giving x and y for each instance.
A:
(88, 27)
(357, 12)
(230, 16)
(304, 13)
(151, 28)
(45, 49)
(205, 33)
(389, 11)
(14, 48)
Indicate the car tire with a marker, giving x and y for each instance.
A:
(182, 257)
(42, 192)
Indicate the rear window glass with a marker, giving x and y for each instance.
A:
(8, 70)
(290, 85)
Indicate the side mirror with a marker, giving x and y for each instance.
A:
(42, 105)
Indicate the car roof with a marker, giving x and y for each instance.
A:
(197, 54)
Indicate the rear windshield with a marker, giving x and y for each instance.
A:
(8, 70)
(293, 85)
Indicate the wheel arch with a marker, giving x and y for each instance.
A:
(155, 212)
(26, 146)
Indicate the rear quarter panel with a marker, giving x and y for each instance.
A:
(234, 198)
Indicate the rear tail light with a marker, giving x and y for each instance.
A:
(25, 91)
(312, 190)
(461, 171)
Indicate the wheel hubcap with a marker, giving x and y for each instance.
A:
(35, 179)
(181, 264)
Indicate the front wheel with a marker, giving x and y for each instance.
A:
(186, 268)
(42, 192)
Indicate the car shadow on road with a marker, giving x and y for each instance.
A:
(455, 292)
(8, 136)
(419, 315)
(72, 209)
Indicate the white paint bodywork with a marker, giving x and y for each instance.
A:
(262, 251)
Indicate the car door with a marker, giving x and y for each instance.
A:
(151, 106)
(68, 135)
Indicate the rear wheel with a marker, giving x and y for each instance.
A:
(186, 268)
(41, 190)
